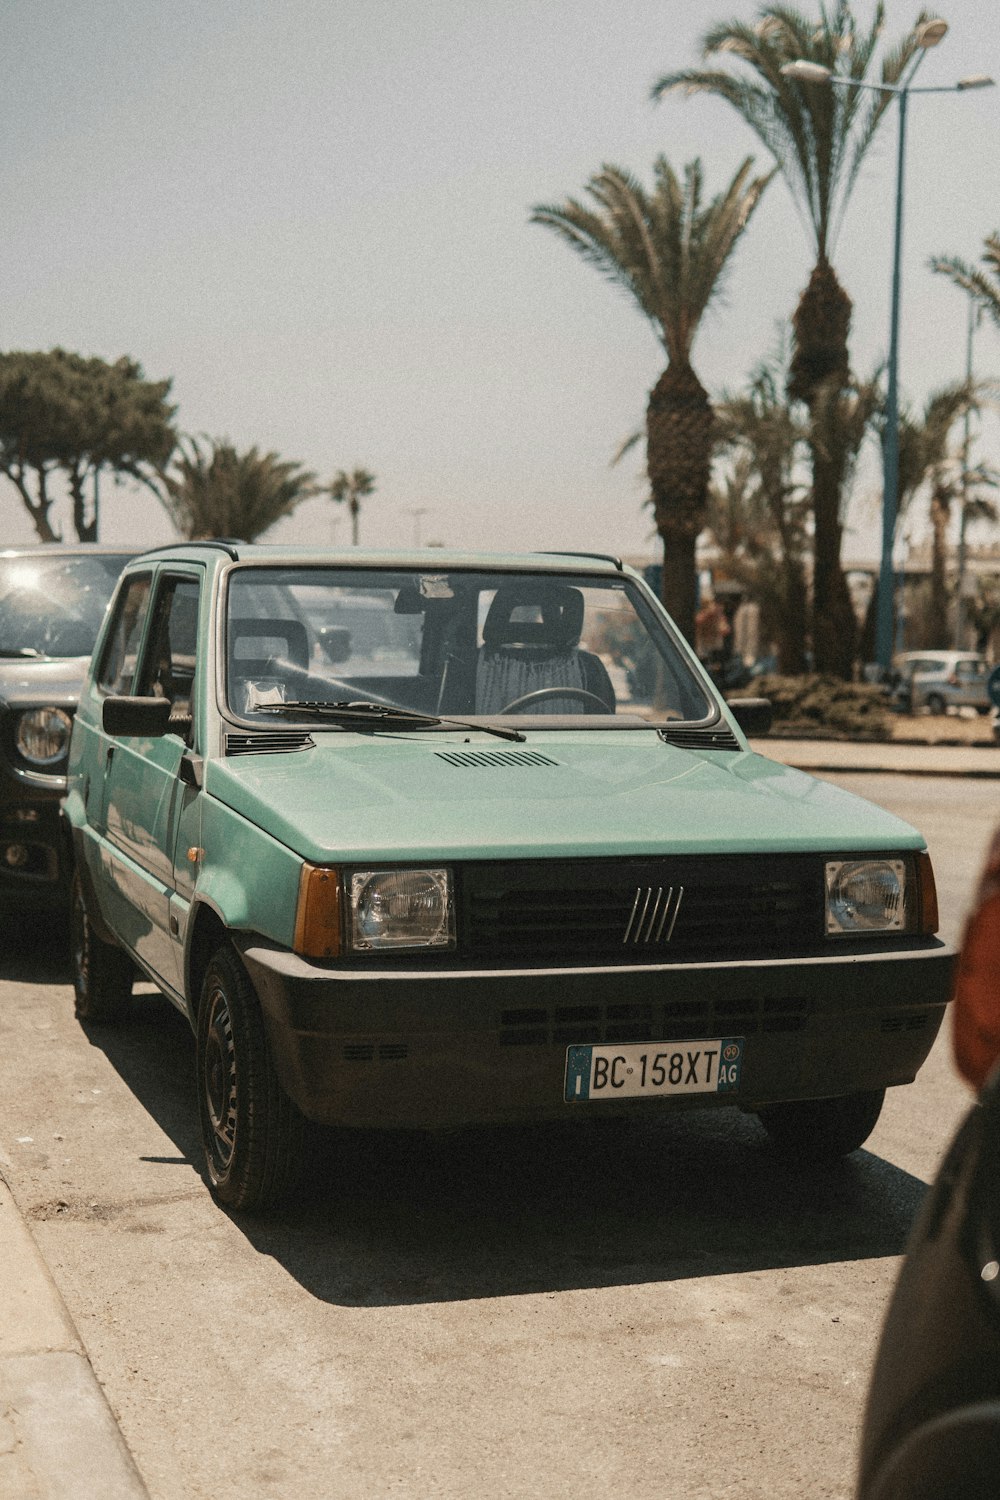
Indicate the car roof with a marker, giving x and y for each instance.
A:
(436, 559)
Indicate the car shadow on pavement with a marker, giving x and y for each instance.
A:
(36, 950)
(400, 1219)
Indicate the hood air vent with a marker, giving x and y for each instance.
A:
(494, 758)
(700, 739)
(274, 742)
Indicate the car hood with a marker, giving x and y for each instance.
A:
(560, 795)
(26, 680)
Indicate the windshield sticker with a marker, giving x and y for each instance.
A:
(435, 586)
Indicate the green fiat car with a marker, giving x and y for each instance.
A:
(434, 839)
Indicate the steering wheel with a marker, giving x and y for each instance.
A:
(540, 695)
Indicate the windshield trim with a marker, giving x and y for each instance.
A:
(645, 603)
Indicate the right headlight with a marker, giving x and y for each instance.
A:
(369, 911)
(880, 895)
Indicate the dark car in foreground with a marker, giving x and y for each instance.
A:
(932, 1427)
(448, 839)
(52, 602)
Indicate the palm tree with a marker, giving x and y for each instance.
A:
(926, 459)
(759, 509)
(983, 285)
(819, 136)
(216, 491)
(351, 489)
(667, 249)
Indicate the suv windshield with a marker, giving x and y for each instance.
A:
(52, 604)
(453, 643)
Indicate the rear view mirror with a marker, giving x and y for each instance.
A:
(136, 718)
(336, 643)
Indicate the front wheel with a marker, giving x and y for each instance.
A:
(823, 1129)
(102, 973)
(935, 703)
(252, 1132)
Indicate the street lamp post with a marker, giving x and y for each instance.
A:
(928, 34)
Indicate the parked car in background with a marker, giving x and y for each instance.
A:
(440, 839)
(939, 680)
(52, 602)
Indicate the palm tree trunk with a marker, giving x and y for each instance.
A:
(791, 629)
(834, 624)
(820, 365)
(938, 621)
(679, 432)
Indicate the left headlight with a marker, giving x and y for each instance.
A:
(42, 736)
(367, 911)
(880, 895)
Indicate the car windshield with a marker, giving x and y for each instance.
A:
(456, 643)
(53, 604)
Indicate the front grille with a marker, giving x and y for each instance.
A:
(630, 911)
(563, 1025)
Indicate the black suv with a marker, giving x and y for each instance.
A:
(52, 602)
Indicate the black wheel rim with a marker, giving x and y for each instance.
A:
(220, 1083)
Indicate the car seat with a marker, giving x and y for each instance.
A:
(530, 646)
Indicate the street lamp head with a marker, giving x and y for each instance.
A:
(929, 33)
(975, 81)
(803, 71)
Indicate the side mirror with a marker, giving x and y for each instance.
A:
(136, 718)
(754, 715)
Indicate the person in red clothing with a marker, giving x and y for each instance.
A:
(976, 992)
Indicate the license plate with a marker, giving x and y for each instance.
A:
(653, 1068)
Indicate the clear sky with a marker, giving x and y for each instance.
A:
(313, 216)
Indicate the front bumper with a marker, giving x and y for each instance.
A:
(34, 870)
(452, 1047)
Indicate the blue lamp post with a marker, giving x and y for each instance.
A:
(928, 34)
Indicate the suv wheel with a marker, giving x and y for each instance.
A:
(823, 1129)
(935, 703)
(102, 973)
(251, 1131)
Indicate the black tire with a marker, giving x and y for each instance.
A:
(935, 703)
(102, 972)
(823, 1129)
(251, 1131)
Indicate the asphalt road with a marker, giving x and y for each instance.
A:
(663, 1313)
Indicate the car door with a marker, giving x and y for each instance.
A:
(146, 798)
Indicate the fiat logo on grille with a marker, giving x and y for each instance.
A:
(654, 914)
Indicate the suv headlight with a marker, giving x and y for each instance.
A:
(366, 911)
(42, 736)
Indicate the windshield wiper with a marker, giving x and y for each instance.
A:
(380, 716)
(19, 651)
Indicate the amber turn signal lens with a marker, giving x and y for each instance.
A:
(317, 919)
(928, 911)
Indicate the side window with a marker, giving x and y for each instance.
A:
(169, 662)
(117, 669)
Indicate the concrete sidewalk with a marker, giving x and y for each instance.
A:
(892, 756)
(58, 1436)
